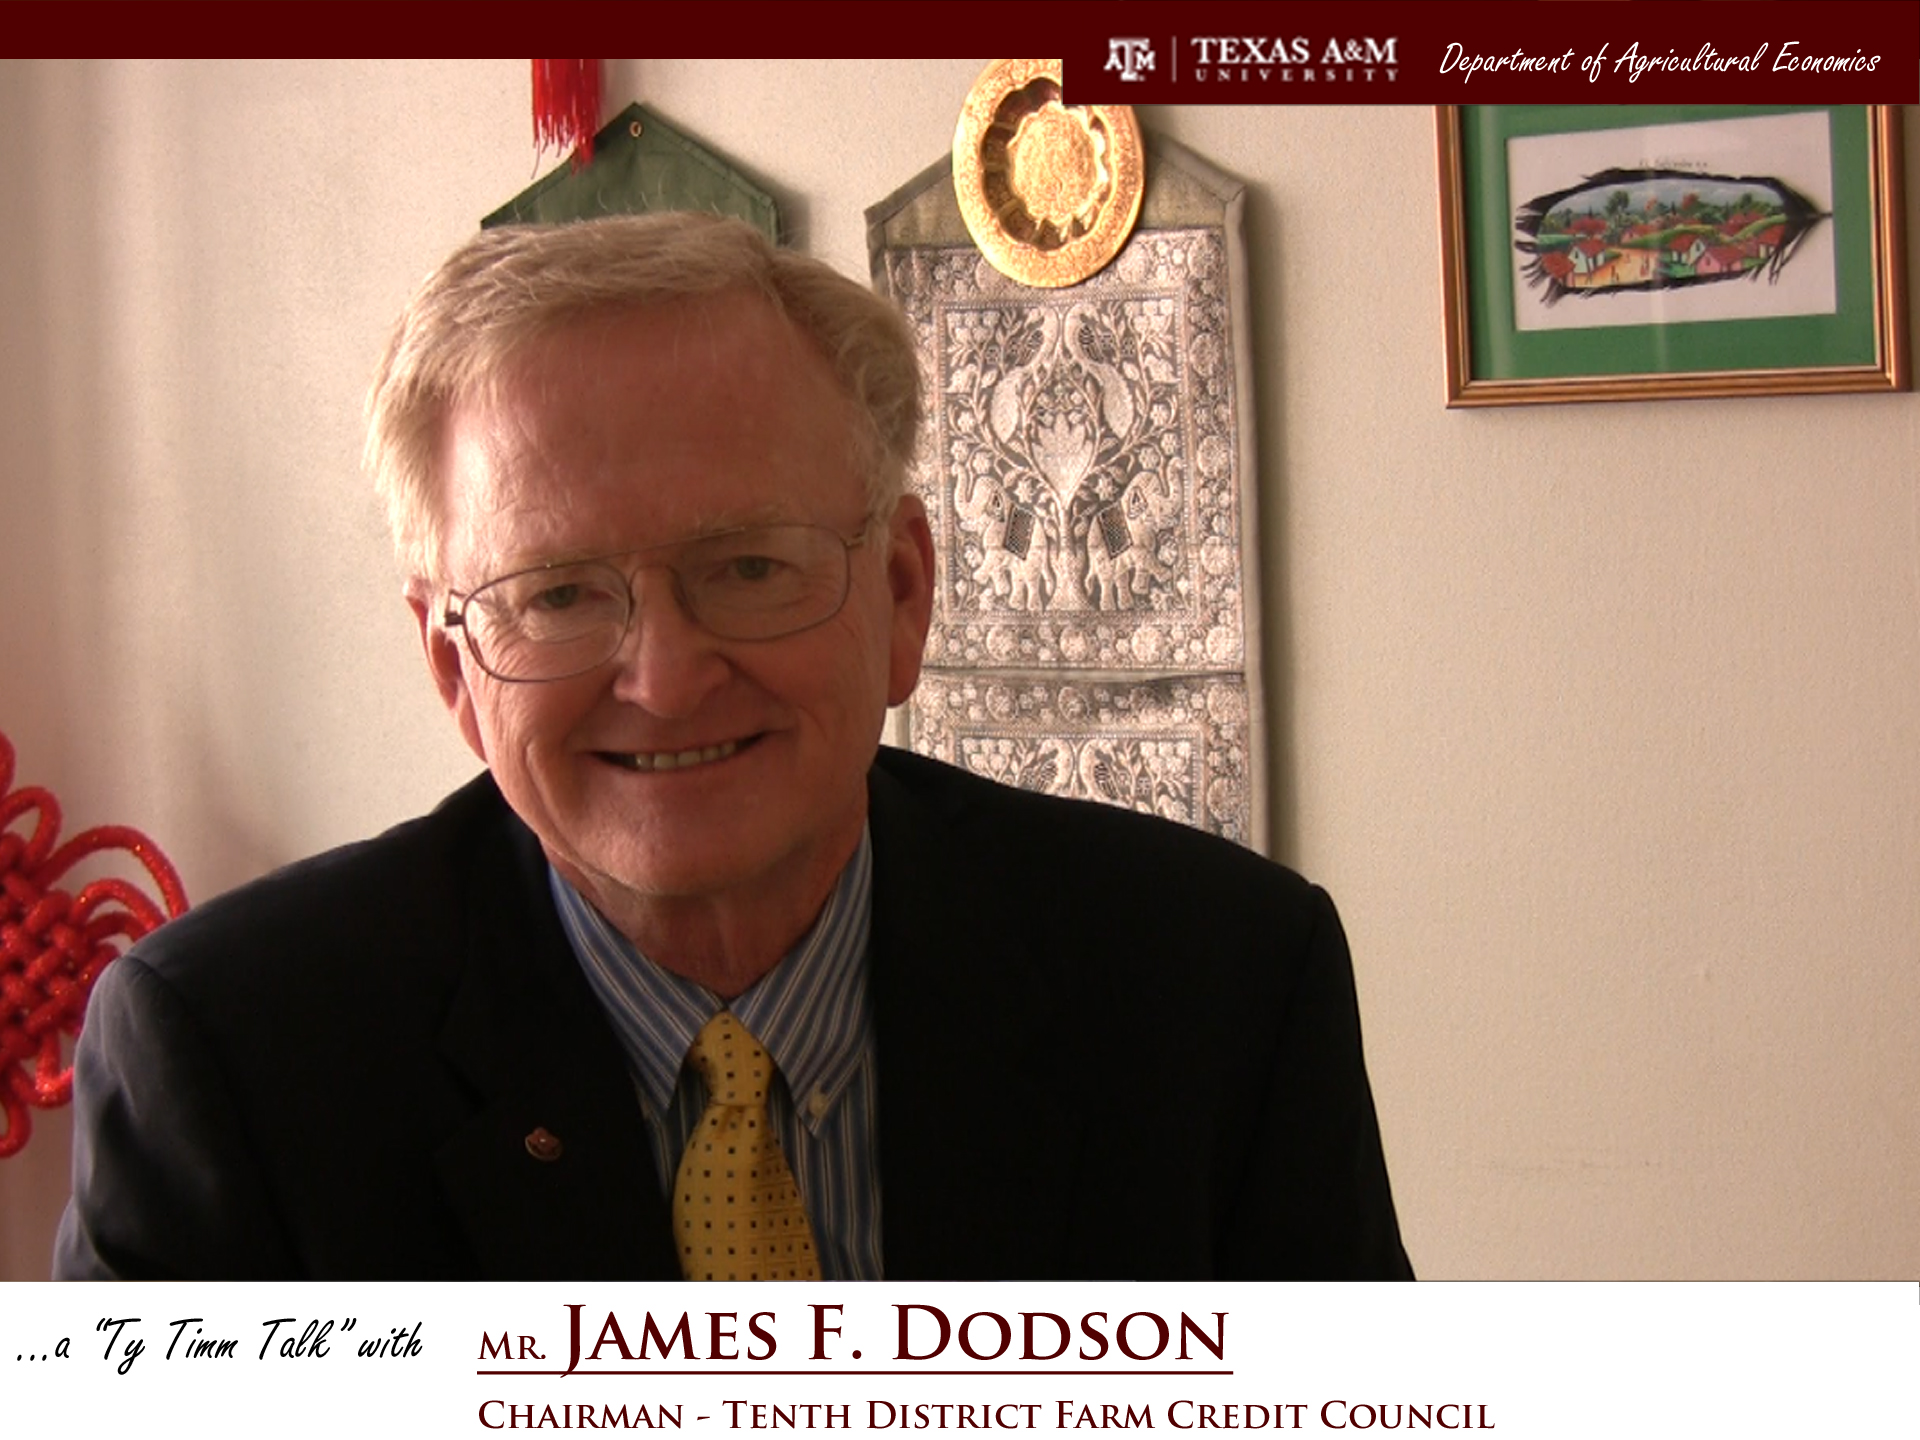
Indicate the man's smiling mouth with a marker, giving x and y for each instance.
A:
(674, 759)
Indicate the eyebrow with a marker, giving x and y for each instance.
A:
(756, 519)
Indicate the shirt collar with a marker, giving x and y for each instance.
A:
(810, 1011)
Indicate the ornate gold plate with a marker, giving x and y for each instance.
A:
(1049, 191)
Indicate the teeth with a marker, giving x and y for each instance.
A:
(676, 759)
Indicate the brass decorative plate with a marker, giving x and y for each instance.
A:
(1049, 191)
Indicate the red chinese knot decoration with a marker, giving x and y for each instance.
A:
(53, 945)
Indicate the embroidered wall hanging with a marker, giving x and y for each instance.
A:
(1088, 469)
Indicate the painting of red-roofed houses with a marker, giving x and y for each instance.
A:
(1658, 229)
(1700, 220)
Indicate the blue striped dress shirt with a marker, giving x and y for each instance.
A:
(812, 1014)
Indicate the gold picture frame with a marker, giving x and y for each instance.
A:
(1676, 327)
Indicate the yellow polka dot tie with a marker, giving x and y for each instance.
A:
(736, 1207)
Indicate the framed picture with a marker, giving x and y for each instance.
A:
(1661, 251)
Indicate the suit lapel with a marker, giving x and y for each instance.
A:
(976, 1137)
(527, 1035)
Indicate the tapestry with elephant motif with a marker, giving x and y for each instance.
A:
(1087, 465)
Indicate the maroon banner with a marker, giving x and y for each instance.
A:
(1574, 52)
(1189, 52)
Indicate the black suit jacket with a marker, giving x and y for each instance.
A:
(1108, 1047)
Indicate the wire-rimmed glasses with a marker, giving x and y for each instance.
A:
(759, 582)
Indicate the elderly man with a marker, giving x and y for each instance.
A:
(696, 980)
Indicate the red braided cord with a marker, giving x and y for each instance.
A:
(54, 945)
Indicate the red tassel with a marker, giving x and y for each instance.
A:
(566, 106)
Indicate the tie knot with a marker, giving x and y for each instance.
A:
(735, 1066)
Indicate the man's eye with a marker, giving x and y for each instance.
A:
(556, 597)
(751, 567)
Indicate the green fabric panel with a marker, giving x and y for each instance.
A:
(641, 163)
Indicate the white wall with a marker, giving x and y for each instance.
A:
(1602, 723)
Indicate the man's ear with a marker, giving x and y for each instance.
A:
(910, 578)
(444, 664)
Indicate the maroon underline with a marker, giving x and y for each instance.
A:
(850, 1374)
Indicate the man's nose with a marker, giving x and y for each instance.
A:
(668, 665)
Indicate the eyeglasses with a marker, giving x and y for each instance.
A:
(756, 583)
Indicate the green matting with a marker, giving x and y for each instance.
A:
(1500, 352)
